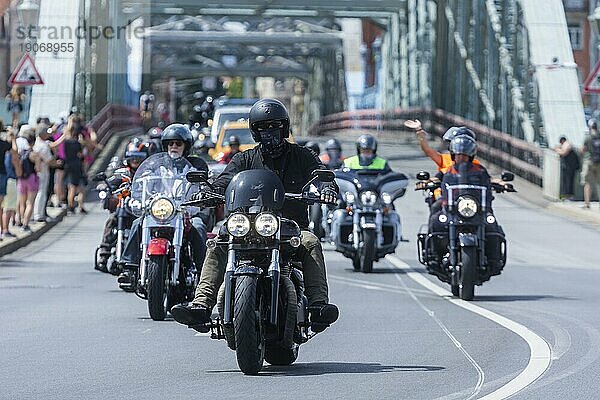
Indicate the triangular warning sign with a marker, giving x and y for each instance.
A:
(26, 73)
(592, 82)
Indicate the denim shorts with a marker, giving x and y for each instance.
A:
(3, 179)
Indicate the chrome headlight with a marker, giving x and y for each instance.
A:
(162, 209)
(467, 206)
(349, 197)
(368, 198)
(238, 224)
(266, 224)
(387, 198)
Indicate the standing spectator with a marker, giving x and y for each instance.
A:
(28, 181)
(146, 106)
(89, 140)
(59, 173)
(15, 100)
(569, 165)
(74, 176)
(43, 148)
(4, 147)
(590, 172)
(12, 166)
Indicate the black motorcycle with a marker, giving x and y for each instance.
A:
(114, 194)
(457, 255)
(263, 311)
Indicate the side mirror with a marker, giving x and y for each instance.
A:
(423, 176)
(507, 176)
(323, 175)
(101, 176)
(197, 176)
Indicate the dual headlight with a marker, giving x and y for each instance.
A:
(162, 209)
(368, 198)
(265, 224)
(467, 206)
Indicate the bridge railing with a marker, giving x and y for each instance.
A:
(115, 117)
(499, 148)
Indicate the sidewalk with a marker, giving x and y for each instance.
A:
(8, 245)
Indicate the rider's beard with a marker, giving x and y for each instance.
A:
(174, 154)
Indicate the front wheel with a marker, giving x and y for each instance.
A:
(468, 271)
(157, 287)
(367, 253)
(248, 326)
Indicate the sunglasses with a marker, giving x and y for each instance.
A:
(177, 143)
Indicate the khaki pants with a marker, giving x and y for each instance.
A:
(310, 253)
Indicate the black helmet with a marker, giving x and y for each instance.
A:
(136, 150)
(458, 131)
(463, 145)
(178, 132)
(269, 122)
(155, 133)
(366, 142)
(234, 140)
(314, 146)
(333, 144)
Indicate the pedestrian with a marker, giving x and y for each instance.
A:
(13, 169)
(28, 181)
(74, 175)
(590, 172)
(569, 166)
(4, 147)
(43, 148)
(89, 141)
(15, 100)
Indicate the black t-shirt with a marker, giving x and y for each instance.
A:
(4, 147)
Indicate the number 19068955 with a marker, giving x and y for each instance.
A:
(48, 47)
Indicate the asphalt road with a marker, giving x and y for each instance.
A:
(69, 332)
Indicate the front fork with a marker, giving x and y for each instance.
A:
(357, 222)
(176, 243)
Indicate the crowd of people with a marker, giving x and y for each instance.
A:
(43, 165)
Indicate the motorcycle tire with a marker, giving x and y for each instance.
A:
(227, 329)
(158, 288)
(248, 326)
(468, 273)
(367, 253)
(285, 351)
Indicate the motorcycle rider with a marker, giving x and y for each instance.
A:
(332, 158)
(464, 171)
(269, 122)
(177, 139)
(135, 153)
(366, 156)
(234, 145)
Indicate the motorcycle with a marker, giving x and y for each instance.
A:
(114, 195)
(365, 227)
(263, 311)
(167, 273)
(466, 216)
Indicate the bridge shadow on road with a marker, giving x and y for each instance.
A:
(522, 297)
(327, 368)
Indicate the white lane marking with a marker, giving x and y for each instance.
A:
(540, 356)
(459, 346)
(373, 285)
(562, 342)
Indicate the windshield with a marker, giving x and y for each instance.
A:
(258, 188)
(165, 176)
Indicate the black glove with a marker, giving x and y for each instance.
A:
(209, 199)
(328, 195)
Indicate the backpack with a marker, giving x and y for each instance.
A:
(27, 165)
(595, 150)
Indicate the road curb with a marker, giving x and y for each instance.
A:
(34, 235)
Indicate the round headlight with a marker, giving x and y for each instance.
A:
(490, 219)
(368, 198)
(238, 225)
(467, 206)
(387, 198)
(349, 197)
(162, 209)
(266, 224)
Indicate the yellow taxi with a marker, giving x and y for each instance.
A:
(239, 129)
